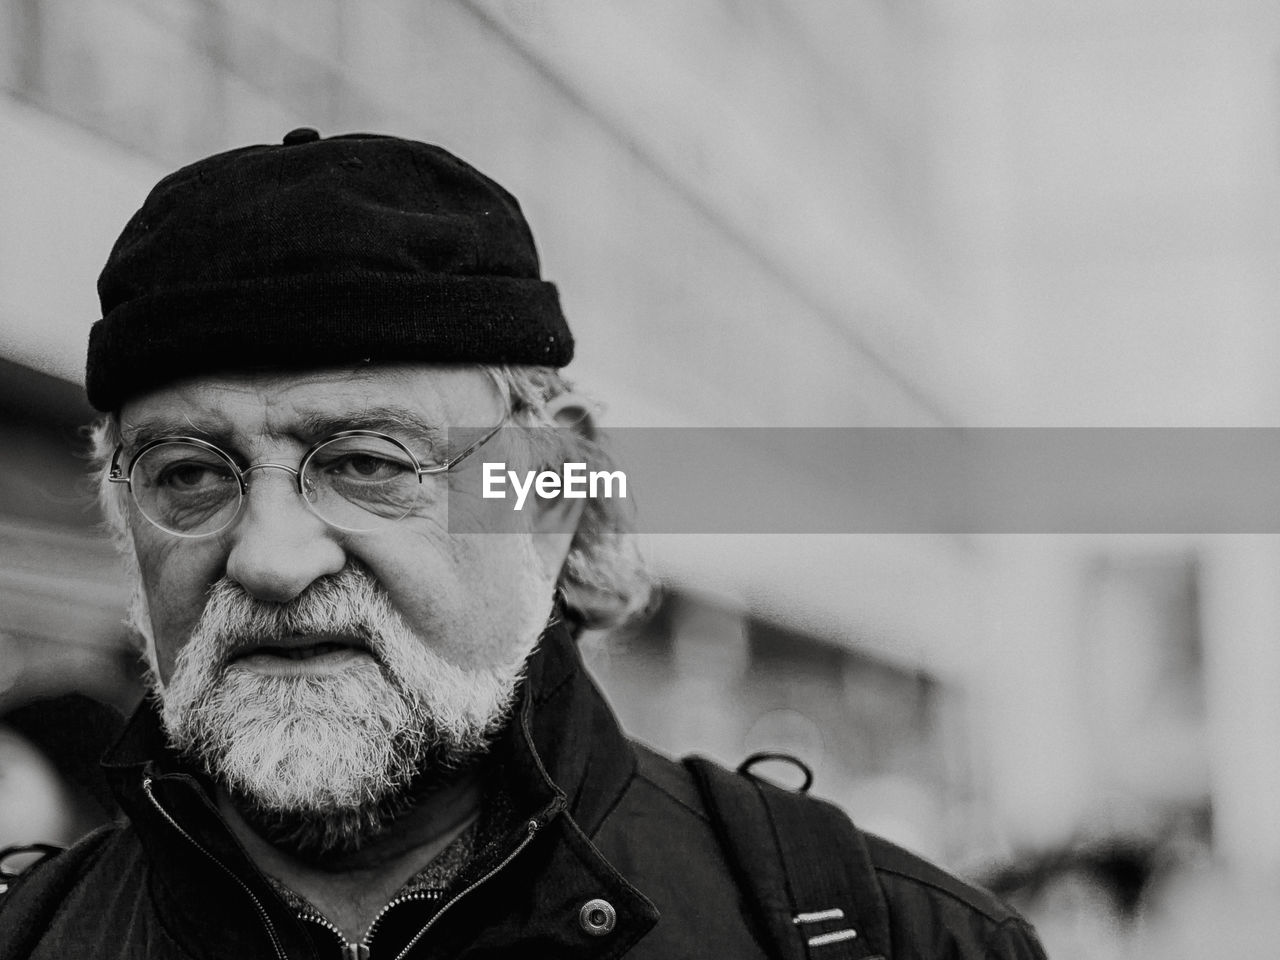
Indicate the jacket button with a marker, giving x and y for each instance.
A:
(597, 917)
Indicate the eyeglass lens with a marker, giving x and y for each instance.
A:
(354, 483)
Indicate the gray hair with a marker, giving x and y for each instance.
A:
(604, 581)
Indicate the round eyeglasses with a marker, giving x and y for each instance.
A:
(355, 480)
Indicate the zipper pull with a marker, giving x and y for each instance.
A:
(355, 951)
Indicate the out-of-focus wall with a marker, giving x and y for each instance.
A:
(725, 195)
(1107, 174)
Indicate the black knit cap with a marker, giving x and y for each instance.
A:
(315, 252)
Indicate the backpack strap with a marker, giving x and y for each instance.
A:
(12, 854)
(31, 898)
(802, 863)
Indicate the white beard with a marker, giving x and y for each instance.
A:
(324, 763)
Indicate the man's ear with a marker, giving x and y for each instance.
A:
(556, 521)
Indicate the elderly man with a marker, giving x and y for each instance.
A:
(371, 734)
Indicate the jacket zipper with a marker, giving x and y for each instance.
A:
(351, 951)
(360, 949)
(262, 911)
(531, 828)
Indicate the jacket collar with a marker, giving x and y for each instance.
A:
(568, 738)
(563, 760)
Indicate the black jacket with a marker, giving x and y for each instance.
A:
(597, 818)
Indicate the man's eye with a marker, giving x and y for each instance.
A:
(190, 476)
(365, 466)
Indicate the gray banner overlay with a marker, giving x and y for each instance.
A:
(909, 480)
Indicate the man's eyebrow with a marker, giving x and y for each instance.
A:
(135, 435)
(400, 422)
(403, 423)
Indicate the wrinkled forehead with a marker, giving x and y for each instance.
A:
(413, 400)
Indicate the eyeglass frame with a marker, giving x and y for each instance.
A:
(118, 475)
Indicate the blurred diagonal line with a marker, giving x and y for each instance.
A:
(575, 95)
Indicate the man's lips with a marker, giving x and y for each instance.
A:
(300, 646)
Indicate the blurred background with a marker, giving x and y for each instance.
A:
(833, 213)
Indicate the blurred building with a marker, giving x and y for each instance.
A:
(928, 213)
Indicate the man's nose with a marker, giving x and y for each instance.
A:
(278, 546)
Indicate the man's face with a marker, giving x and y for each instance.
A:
(409, 633)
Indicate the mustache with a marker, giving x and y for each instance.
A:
(346, 608)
